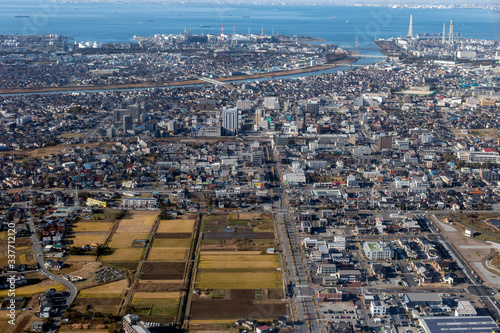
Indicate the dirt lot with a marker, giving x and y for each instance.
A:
(233, 309)
(472, 250)
(163, 271)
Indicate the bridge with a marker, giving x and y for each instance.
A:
(369, 56)
(215, 82)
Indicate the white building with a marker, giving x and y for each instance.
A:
(140, 202)
(377, 308)
(465, 309)
(230, 121)
(378, 251)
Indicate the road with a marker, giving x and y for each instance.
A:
(37, 252)
(303, 294)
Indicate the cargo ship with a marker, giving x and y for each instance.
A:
(204, 26)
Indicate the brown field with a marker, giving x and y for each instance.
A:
(163, 271)
(137, 222)
(217, 309)
(124, 240)
(34, 289)
(86, 238)
(128, 265)
(92, 226)
(173, 235)
(222, 264)
(158, 286)
(172, 294)
(167, 254)
(175, 242)
(69, 330)
(184, 226)
(101, 304)
(214, 279)
(124, 254)
(220, 253)
(80, 259)
(154, 307)
(117, 287)
(234, 256)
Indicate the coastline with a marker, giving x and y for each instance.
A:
(334, 64)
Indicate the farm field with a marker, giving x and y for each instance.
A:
(167, 254)
(155, 307)
(172, 242)
(137, 222)
(230, 309)
(117, 288)
(163, 271)
(86, 238)
(246, 279)
(123, 254)
(124, 240)
(92, 226)
(176, 226)
(234, 278)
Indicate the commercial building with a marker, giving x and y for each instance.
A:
(378, 251)
(423, 299)
(476, 324)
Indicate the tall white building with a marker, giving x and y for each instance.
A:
(230, 121)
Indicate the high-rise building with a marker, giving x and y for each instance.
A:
(111, 133)
(127, 123)
(230, 121)
(384, 142)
